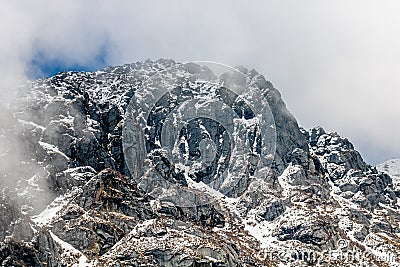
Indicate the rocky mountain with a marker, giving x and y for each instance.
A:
(158, 163)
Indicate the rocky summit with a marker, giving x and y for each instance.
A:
(159, 163)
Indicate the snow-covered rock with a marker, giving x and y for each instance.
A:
(392, 167)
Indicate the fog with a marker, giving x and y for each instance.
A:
(336, 63)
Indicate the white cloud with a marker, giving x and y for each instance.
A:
(336, 63)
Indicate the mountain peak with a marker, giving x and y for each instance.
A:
(159, 163)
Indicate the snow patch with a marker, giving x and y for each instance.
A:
(50, 212)
(69, 251)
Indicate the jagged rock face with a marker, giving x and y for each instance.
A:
(203, 130)
(315, 193)
(355, 179)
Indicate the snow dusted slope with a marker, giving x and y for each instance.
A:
(392, 167)
(318, 203)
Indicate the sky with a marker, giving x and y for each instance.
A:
(336, 63)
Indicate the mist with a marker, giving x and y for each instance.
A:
(335, 63)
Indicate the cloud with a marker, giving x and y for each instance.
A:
(336, 63)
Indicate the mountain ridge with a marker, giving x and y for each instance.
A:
(317, 196)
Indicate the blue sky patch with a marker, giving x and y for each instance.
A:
(43, 66)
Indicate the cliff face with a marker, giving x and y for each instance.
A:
(168, 164)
